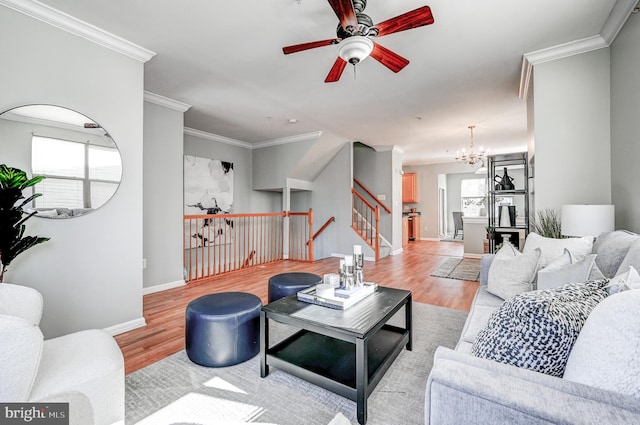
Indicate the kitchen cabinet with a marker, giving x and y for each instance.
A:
(409, 188)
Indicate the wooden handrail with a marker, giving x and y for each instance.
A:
(367, 203)
(324, 226)
(384, 207)
(367, 213)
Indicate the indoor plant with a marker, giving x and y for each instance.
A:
(12, 216)
(547, 224)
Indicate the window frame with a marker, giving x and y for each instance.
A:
(86, 179)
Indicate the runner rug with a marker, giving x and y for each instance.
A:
(459, 268)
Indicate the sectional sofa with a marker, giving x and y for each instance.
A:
(599, 379)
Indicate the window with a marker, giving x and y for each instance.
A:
(473, 194)
(79, 175)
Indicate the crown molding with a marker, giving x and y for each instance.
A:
(290, 139)
(165, 101)
(612, 26)
(216, 138)
(58, 19)
(567, 49)
(525, 78)
(616, 20)
(552, 53)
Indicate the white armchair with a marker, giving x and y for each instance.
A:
(85, 369)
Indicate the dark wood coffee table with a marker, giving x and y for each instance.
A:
(346, 352)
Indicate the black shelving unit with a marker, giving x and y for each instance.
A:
(517, 166)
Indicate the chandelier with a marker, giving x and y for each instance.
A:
(471, 157)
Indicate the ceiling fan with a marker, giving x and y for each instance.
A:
(354, 33)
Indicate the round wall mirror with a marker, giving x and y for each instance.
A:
(80, 161)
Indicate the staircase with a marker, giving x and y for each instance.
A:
(365, 221)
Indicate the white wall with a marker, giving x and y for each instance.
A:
(572, 131)
(625, 110)
(163, 188)
(90, 272)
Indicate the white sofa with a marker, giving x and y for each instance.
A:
(465, 389)
(84, 369)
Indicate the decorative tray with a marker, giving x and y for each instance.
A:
(342, 298)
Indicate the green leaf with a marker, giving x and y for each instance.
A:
(12, 217)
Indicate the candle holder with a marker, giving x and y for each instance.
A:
(358, 264)
(348, 272)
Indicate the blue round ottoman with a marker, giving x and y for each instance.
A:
(285, 284)
(223, 329)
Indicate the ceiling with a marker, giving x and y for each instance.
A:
(225, 60)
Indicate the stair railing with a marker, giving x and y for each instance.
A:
(300, 231)
(365, 220)
(322, 229)
(375, 198)
(216, 244)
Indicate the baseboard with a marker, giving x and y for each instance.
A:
(475, 256)
(163, 287)
(430, 239)
(397, 251)
(126, 326)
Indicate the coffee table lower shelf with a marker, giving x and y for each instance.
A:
(331, 363)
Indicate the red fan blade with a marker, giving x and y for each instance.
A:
(307, 46)
(414, 19)
(346, 14)
(391, 60)
(336, 70)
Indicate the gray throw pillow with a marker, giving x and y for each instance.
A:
(611, 248)
(632, 258)
(510, 275)
(572, 273)
(536, 330)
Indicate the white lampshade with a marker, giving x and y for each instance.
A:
(587, 220)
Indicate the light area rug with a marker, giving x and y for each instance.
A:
(459, 268)
(178, 392)
(451, 239)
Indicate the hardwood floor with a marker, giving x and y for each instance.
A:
(164, 311)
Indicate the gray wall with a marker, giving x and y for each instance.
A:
(331, 196)
(625, 111)
(163, 187)
(245, 199)
(454, 195)
(572, 148)
(90, 272)
(272, 165)
(428, 183)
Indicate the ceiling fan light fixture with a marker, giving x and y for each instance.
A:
(355, 49)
